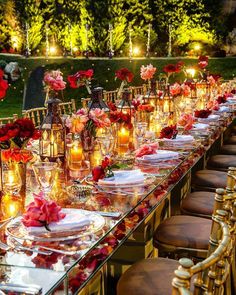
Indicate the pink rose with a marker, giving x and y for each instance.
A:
(54, 80)
(186, 121)
(100, 118)
(147, 72)
(175, 89)
(186, 91)
(146, 149)
(41, 212)
(213, 105)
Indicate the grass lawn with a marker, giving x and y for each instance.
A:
(104, 73)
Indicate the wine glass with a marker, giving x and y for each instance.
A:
(45, 173)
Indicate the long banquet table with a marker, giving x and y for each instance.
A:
(125, 238)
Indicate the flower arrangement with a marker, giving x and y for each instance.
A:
(221, 99)
(171, 69)
(169, 132)
(41, 212)
(177, 89)
(18, 133)
(105, 169)
(186, 121)
(126, 76)
(3, 85)
(121, 118)
(203, 114)
(84, 120)
(147, 72)
(147, 149)
(53, 81)
(16, 155)
(136, 102)
(213, 105)
(80, 79)
(202, 62)
(146, 108)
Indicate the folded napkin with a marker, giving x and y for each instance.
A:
(223, 109)
(73, 221)
(160, 155)
(210, 118)
(200, 126)
(181, 138)
(123, 177)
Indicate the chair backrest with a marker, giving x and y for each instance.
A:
(36, 115)
(85, 102)
(6, 120)
(212, 275)
(137, 90)
(110, 96)
(68, 107)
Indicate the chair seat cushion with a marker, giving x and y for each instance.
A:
(221, 162)
(209, 180)
(184, 232)
(232, 140)
(228, 149)
(198, 204)
(151, 276)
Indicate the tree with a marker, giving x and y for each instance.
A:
(30, 13)
(10, 31)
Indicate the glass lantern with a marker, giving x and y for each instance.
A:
(52, 142)
(151, 96)
(125, 105)
(97, 100)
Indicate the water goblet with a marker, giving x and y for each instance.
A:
(106, 142)
(140, 131)
(45, 173)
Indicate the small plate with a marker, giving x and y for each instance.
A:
(17, 230)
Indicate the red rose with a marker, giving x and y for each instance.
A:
(221, 99)
(41, 212)
(169, 132)
(72, 81)
(124, 74)
(26, 127)
(105, 163)
(233, 91)
(202, 62)
(202, 113)
(98, 173)
(112, 106)
(3, 85)
(171, 68)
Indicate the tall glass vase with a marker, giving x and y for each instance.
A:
(87, 140)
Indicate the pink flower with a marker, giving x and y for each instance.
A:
(211, 80)
(186, 121)
(76, 123)
(175, 89)
(213, 105)
(202, 62)
(147, 72)
(54, 80)
(100, 118)
(186, 91)
(41, 212)
(147, 149)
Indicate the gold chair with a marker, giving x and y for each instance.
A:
(184, 235)
(110, 96)
(138, 90)
(6, 120)
(36, 115)
(153, 276)
(68, 107)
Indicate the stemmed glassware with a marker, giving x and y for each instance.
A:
(106, 142)
(140, 129)
(45, 173)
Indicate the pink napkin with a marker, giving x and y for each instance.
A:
(147, 149)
